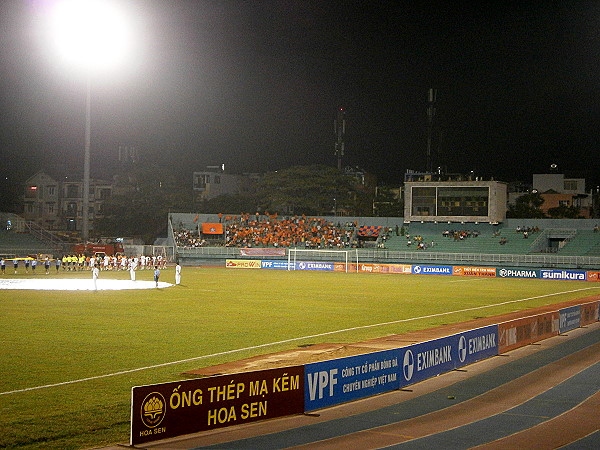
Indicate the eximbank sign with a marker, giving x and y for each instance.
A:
(330, 383)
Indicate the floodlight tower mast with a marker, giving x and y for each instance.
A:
(339, 128)
(431, 112)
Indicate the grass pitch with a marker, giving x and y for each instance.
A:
(113, 340)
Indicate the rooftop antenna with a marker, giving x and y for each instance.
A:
(339, 129)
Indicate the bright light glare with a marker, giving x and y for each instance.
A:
(92, 34)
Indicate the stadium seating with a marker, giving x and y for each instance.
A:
(487, 240)
(22, 244)
(584, 243)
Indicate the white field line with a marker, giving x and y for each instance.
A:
(254, 347)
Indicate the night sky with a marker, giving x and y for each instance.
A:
(256, 85)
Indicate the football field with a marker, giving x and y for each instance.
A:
(69, 358)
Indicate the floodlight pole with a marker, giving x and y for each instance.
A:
(85, 228)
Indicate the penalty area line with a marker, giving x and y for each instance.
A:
(285, 341)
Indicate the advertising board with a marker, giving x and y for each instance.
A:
(570, 318)
(242, 264)
(580, 275)
(182, 407)
(342, 380)
(474, 271)
(520, 332)
(589, 313)
(428, 359)
(517, 273)
(276, 264)
(418, 269)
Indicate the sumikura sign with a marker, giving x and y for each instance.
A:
(172, 409)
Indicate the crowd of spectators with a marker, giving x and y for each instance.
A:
(459, 235)
(296, 231)
(188, 238)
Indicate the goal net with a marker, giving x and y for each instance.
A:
(298, 256)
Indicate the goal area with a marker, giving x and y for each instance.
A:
(348, 257)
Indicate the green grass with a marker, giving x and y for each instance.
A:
(51, 337)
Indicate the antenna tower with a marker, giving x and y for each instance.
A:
(339, 129)
(431, 112)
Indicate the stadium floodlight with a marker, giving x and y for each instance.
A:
(92, 36)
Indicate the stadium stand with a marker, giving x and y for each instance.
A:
(584, 242)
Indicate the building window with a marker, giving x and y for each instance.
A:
(104, 194)
(564, 203)
(31, 192)
(50, 208)
(217, 179)
(72, 191)
(30, 208)
(71, 209)
(51, 190)
(570, 185)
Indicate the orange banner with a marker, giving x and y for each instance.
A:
(212, 228)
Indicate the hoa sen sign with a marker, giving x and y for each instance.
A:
(189, 406)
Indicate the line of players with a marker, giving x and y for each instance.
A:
(81, 262)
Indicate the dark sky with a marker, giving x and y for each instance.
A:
(256, 85)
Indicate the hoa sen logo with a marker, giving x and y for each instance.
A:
(153, 409)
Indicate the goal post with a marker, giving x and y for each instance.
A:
(347, 257)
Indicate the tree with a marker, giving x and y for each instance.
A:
(141, 202)
(311, 190)
(388, 203)
(564, 212)
(527, 206)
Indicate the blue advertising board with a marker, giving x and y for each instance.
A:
(580, 275)
(570, 318)
(475, 345)
(329, 383)
(418, 269)
(308, 265)
(275, 264)
(517, 273)
(431, 358)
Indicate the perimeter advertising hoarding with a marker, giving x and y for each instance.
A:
(589, 313)
(418, 269)
(520, 332)
(570, 318)
(580, 275)
(276, 264)
(474, 271)
(517, 273)
(342, 380)
(428, 359)
(172, 409)
(262, 251)
(309, 265)
(593, 276)
(242, 264)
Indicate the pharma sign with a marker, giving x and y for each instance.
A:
(518, 273)
(172, 409)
